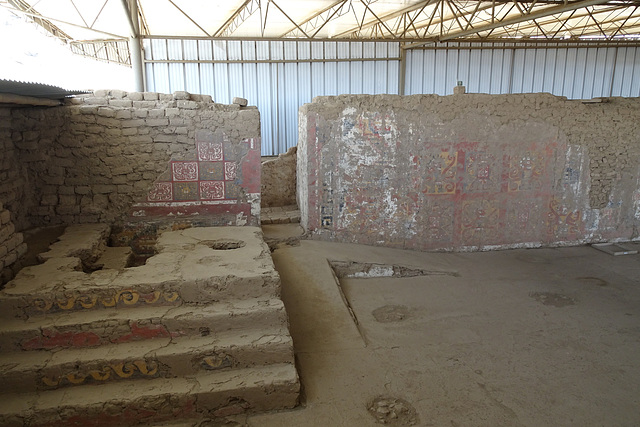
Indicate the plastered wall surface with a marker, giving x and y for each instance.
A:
(469, 171)
(279, 180)
(119, 158)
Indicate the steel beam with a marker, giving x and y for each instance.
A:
(573, 28)
(522, 18)
(248, 8)
(119, 50)
(318, 20)
(46, 22)
(386, 17)
(189, 18)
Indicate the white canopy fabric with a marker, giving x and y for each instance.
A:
(410, 20)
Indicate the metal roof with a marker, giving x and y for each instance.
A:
(100, 28)
(36, 90)
(15, 93)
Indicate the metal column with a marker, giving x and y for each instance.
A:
(131, 9)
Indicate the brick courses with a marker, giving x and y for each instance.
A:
(101, 158)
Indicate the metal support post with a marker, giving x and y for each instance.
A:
(135, 49)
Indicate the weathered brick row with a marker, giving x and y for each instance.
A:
(47, 153)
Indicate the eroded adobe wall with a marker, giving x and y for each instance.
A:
(279, 180)
(115, 156)
(469, 171)
(13, 184)
(13, 175)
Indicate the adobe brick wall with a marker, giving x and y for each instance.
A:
(470, 171)
(12, 246)
(13, 175)
(119, 158)
(279, 180)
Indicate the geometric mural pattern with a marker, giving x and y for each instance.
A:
(453, 195)
(208, 177)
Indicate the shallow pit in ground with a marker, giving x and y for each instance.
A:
(38, 241)
(122, 248)
(366, 270)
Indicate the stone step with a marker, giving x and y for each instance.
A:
(99, 327)
(210, 394)
(183, 423)
(280, 215)
(84, 241)
(157, 358)
(193, 266)
(115, 258)
(130, 295)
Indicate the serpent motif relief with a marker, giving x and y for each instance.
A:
(126, 297)
(113, 371)
(217, 361)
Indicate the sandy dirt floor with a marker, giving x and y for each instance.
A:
(531, 337)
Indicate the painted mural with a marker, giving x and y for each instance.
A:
(220, 178)
(444, 194)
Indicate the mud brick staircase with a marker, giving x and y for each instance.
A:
(198, 332)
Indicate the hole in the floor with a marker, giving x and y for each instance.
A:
(90, 268)
(137, 260)
(142, 242)
(204, 331)
(393, 411)
(223, 244)
(366, 270)
(593, 281)
(38, 241)
(391, 313)
(552, 299)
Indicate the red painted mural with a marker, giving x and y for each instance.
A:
(220, 178)
(369, 185)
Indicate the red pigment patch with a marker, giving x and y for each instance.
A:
(51, 339)
(142, 333)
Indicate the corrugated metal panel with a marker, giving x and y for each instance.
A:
(221, 73)
(302, 72)
(393, 68)
(368, 68)
(36, 90)
(343, 68)
(176, 71)
(160, 83)
(291, 92)
(191, 70)
(577, 73)
(297, 71)
(235, 76)
(264, 91)
(330, 69)
(355, 72)
(206, 72)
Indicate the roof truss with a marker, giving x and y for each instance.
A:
(419, 23)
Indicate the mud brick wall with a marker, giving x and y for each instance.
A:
(468, 172)
(115, 157)
(279, 180)
(12, 173)
(12, 246)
